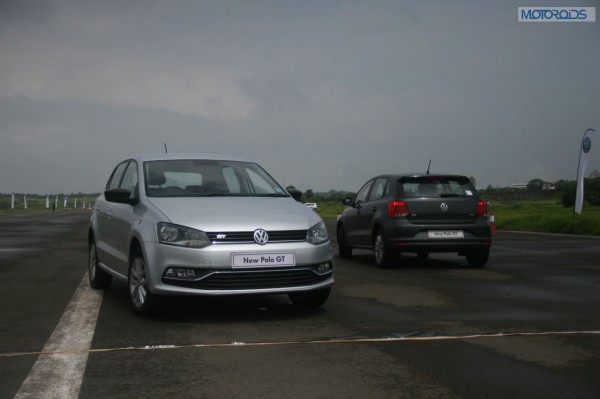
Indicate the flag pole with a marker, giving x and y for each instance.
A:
(578, 166)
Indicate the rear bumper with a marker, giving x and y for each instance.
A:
(438, 245)
(412, 238)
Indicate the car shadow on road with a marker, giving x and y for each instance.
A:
(213, 309)
(412, 261)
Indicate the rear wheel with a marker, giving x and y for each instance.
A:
(383, 256)
(99, 279)
(310, 299)
(143, 301)
(478, 258)
(343, 248)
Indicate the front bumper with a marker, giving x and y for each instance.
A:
(214, 274)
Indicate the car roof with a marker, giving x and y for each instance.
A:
(403, 175)
(176, 156)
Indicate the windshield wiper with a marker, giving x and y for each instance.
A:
(272, 195)
(221, 195)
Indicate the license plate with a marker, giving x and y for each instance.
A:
(241, 260)
(446, 234)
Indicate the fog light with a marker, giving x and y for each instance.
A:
(180, 273)
(323, 268)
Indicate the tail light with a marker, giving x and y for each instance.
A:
(481, 209)
(397, 209)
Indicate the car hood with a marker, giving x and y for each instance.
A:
(236, 213)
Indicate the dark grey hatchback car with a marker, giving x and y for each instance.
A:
(417, 213)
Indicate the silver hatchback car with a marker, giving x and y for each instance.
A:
(206, 225)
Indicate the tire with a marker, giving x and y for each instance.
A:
(99, 279)
(383, 256)
(144, 303)
(343, 248)
(478, 258)
(310, 299)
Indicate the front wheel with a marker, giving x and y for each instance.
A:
(383, 256)
(99, 279)
(143, 301)
(478, 258)
(310, 299)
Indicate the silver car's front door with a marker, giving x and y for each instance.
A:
(104, 223)
(121, 220)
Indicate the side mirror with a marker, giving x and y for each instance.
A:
(296, 194)
(347, 201)
(120, 196)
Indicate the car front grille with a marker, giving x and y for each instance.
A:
(245, 237)
(253, 279)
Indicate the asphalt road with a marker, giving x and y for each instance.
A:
(527, 325)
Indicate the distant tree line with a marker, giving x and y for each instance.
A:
(563, 190)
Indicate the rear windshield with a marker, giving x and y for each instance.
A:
(436, 187)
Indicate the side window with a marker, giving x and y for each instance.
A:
(362, 194)
(380, 189)
(130, 179)
(115, 178)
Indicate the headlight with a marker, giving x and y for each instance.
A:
(173, 234)
(317, 234)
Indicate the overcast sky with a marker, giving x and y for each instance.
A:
(323, 94)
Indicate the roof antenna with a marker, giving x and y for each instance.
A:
(428, 166)
(166, 152)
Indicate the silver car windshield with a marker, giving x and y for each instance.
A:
(208, 178)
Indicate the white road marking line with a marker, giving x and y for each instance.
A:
(59, 374)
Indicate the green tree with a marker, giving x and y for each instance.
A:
(309, 195)
(535, 185)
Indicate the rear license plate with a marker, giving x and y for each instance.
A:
(241, 260)
(446, 234)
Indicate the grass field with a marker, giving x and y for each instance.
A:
(547, 216)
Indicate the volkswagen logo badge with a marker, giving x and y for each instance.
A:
(261, 237)
(444, 207)
(586, 145)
